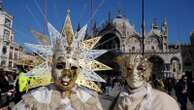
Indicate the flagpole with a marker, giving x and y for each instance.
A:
(142, 26)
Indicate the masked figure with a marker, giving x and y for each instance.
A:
(71, 66)
(139, 95)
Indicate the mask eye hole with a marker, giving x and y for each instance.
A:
(73, 67)
(140, 68)
(129, 68)
(60, 66)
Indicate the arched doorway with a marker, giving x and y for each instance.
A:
(175, 67)
(110, 42)
(157, 67)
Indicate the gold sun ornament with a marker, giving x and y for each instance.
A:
(79, 52)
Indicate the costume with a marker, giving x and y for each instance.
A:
(139, 95)
(182, 92)
(191, 91)
(50, 99)
(70, 62)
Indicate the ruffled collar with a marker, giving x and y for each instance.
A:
(143, 93)
(137, 90)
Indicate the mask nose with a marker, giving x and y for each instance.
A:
(66, 71)
(134, 72)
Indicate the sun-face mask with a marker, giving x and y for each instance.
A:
(71, 58)
(136, 70)
(64, 76)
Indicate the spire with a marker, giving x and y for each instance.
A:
(68, 11)
(120, 14)
(164, 32)
(95, 28)
(164, 27)
(78, 27)
(165, 22)
(1, 5)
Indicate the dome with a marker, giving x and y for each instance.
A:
(122, 22)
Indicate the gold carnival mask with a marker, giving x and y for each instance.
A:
(136, 70)
(72, 58)
(64, 76)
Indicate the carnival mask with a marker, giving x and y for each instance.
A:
(63, 72)
(71, 57)
(136, 70)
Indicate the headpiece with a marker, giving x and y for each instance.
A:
(78, 52)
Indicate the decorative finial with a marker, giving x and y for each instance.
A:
(68, 11)
(154, 24)
(165, 21)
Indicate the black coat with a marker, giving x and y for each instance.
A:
(180, 86)
(191, 91)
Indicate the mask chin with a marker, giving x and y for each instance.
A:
(135, 84)
(134, 80)
(67, 80)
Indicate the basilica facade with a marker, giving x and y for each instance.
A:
(120, 36)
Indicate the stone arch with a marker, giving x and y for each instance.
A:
(133, 44)
(3, 63)
(152, 41)
(175, 66)
(110, 40)
(174, 58)
(157, 67)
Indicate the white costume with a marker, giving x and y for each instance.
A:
(145, 98)
(139, 95)
(50, 99)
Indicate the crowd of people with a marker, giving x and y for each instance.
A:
(185, 90)
(182, 89)
(7, 89)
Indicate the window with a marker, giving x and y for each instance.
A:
(6, 35)
(153, 48)
(133, 48)
(175, 66)
(167, 67)
(15, 56)
(10, 55)
(10, 64)
(4, 50)
(174, 70)
(3, 63)
(7, 22)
